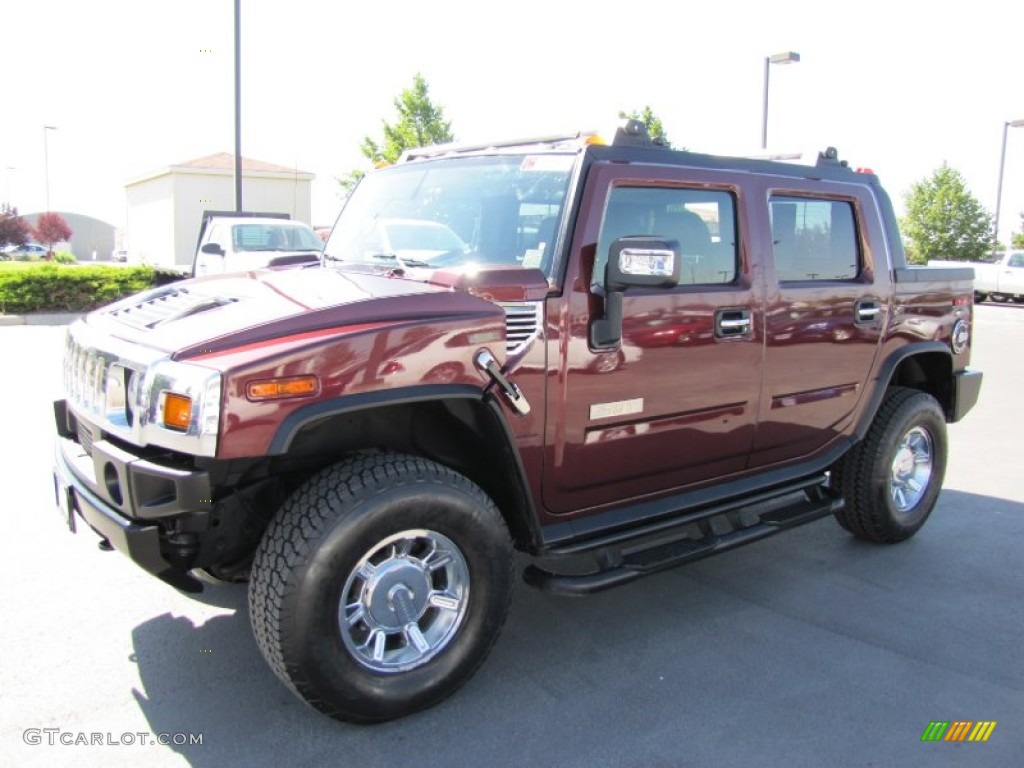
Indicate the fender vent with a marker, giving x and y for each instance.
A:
(522, 324)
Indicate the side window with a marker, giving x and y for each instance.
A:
(703, 222)
(814, 239)
(1017, 260)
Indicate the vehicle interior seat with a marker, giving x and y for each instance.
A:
(620, 220)
(701, 262)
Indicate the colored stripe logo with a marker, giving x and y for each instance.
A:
(958, 730)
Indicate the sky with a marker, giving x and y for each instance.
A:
(134, 86)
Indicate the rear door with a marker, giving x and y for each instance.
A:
(827, 305)
(676, 402)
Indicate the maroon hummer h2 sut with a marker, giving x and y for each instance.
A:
(614, 358)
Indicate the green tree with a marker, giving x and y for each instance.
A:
(944, 220)
(655, 128)
(420, 123)
(1017, 241)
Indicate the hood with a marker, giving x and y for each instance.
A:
(223, 311)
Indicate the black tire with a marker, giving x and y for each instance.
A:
(980, 296)
(317, 615)
(885, 501)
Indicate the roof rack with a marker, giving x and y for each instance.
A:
(437, 150)
(628, 133)
(828, 157)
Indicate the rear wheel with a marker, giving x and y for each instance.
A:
(381, 586)
(891, 480)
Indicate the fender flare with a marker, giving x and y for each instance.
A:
(885, 375)
(524, 511)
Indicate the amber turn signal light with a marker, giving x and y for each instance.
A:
(177, 411)
(273, 389)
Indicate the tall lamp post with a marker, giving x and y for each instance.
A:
(786, 57)
(999, 191)
(238, 105)
(46, 160)
(7, 174)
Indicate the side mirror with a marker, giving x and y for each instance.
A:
(633, 262)
(213, 248)
(642, 262)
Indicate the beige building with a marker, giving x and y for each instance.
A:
(165, 207)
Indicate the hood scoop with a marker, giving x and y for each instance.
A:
(166, 306)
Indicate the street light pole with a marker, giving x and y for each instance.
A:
(999, 190)
(238, 106)
(787, 57)
(46, 160)
(7, 174)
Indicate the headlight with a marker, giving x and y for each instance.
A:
(180, 403)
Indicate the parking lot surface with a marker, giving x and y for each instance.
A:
(808, 649)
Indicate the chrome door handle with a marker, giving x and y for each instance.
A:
(730, 323)
(867, 311)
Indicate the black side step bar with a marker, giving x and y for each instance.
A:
(721, 532)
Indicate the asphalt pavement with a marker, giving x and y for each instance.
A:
(807, 649)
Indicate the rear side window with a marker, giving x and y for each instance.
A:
(703, 222)
(814, 239)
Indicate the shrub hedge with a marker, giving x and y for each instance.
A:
(72, 288)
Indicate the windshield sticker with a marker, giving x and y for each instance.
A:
(547, 163)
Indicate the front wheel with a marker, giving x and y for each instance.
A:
(891, 480)
(381, 586)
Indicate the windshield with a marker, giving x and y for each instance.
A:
(455, 212)
(274, 237)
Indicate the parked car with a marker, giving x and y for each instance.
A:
(28, 251)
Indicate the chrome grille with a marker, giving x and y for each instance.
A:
(96, 384)
(522, 324)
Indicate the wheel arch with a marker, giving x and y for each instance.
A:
(925, 366)
(455, 425)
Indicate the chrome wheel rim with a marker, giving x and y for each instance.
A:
(911, 469)
(404, 601)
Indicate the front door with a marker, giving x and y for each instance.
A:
(676, 402)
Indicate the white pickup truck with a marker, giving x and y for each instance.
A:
(233, 241)
(1002, 280)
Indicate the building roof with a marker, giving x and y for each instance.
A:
(223, 163)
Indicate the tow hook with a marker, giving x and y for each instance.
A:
(485, 361)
